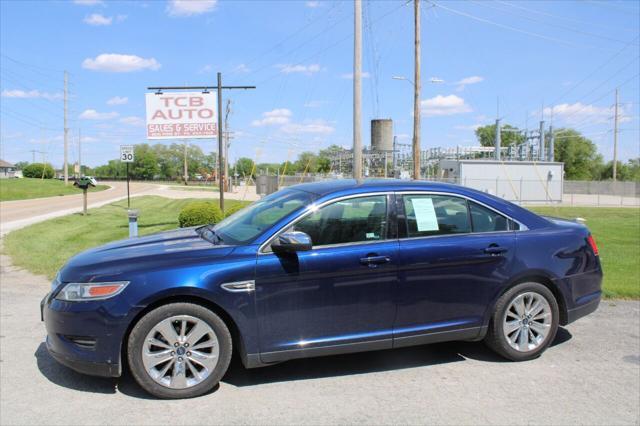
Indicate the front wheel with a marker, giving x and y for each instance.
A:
(179, 350)
(524, 322)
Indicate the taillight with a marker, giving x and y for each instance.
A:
(593, 245)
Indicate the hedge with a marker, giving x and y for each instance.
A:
(200, 213)
(35, 171)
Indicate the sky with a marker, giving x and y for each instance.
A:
(523, 61)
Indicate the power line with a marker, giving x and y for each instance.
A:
(508, 27)
(575, 30)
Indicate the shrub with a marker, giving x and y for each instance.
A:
(199, 213)
(35, 171)
(232, 209)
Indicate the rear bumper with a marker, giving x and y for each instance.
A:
(584, 309)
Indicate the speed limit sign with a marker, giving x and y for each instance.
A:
(126, 153)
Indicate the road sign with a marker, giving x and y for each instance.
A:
(126, 153)
(181, 115)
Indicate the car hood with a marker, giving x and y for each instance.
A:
(178, 247)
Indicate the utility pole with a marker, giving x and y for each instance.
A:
(541, 142)
(227, 143)
(33, 155)
(416, 92)
(615, 139)
(498, 140)
(66, 131)
(221, 154)
(186, 168)
(79, 153)
(357, 89)
(552, 139)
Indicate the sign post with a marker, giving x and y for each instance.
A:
(189, 115)
(127, 156)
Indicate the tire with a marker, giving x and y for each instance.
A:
(194, 365)
(510, 325)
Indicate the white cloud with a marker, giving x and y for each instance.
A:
(467, 81)
(578, 111)
(304, 69)
(190, 7)
(98, 19)
(114, 62)
(88, 2)
(349, 76)
(444, 105)
(133, 120)
(121, 18)
(242, 69)
(118, 100)
(92, 114)
(206, 69)
(21, 94)
(313, 4)
(311, 126)
(472, 127)
(276, 116)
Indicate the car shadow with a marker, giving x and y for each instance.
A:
(299, 369)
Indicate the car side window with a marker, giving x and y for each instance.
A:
(487, 220)
(347, 221)
(435, 215)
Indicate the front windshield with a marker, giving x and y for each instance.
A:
(247, 224)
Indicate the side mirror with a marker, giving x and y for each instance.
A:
(291, 242)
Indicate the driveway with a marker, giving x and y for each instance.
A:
(591, 375)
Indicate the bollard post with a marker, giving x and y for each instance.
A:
(133, 222)
(84, 201)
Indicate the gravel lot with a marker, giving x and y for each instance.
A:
(590, 376)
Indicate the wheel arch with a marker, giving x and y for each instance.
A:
(540, 278)
(236, 337)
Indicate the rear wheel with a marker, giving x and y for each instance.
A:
(179, 350)
(524, 322)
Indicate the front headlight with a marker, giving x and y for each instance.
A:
(77, 292)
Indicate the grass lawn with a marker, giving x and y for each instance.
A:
(193, 188)
(44, 247)
(23, 189)
(617, 233)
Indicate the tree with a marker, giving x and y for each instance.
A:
(244, 167)
(307, 162)
(509, 135)
(579, 155)
(145, 165)
(624, 172)
(21, 165)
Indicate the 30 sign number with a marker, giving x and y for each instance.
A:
(126, 153)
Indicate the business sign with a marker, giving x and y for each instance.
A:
(181, 115)
(126, 153)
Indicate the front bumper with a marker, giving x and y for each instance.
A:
(85, 337)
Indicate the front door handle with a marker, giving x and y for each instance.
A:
(495, 250)
(374, 261)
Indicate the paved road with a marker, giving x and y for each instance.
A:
(590, 376)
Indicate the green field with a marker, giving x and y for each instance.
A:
(617, 234)
(44, 247)
(26, 188)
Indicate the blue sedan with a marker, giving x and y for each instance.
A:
(322, 269)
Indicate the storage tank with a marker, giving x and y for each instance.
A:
(382, 134)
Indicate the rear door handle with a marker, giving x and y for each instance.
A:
(373, 261)
(495, 250)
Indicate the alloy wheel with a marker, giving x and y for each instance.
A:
(527, 321)
(180, 352)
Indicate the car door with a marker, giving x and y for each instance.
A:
(455, 255)
(337, 296)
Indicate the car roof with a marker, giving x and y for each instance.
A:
(328, 187)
